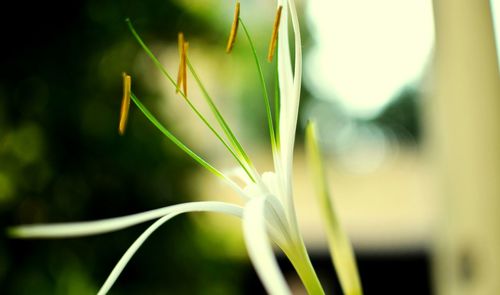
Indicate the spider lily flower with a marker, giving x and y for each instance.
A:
(268, 214)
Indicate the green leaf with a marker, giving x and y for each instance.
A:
(338, 241)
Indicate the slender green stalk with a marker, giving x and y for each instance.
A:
(264, 88)
(149, 52)
(220, 119)
(301, 262)
(277, 102)
(172, 137)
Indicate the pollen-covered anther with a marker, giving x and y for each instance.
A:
(274, 36)
(127, 84)
(185, 47)
(180, 74)
(234, 28)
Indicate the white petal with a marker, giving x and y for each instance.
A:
(130, 252)
(259, 247)
(298, 48)
(285, 77)
(221, 208)
(76, 229)
(277, 223)
(284, 62)
(239, 174)
(297, 77)
(289, 114)
(271, 181)
(290, 85)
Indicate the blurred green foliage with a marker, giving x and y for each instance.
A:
(61, 158)
(402, 117)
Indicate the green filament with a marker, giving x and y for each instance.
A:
(264, 88)
(172, 137)
(220, 119)
(217, 114)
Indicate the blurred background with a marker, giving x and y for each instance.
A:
(406, 95)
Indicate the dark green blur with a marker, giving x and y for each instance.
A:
(61, 158)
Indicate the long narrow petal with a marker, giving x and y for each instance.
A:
(259, 247)
(117, 270)
(289, 113)
(290, 86)
(284, 64)
(297, 80)
(285, 81)
(340, 246)
(285, 77)
(76, 229)
(298, 48)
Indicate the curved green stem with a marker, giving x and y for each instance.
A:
(300, 260)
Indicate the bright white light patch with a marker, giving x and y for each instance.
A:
(495, 11)
(367, 50)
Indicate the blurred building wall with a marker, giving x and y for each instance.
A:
(463, 128)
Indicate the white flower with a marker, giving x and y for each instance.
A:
(268, 214)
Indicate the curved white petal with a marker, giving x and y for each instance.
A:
(294, 99)
(284, 64)
(271, 181)
(290, 86)
(117, 270)
(277, 224)
(285, 78)
(259, 247)
(239, 173)
(130, 252)
(76, 229)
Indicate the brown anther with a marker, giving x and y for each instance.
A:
(274, 36)
(180, 74)
(184, 71)
(127, 84)
(234, 28)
